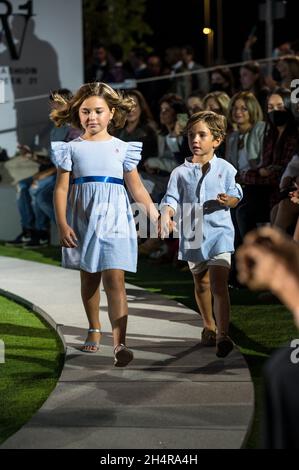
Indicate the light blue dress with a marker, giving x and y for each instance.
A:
(98, 207)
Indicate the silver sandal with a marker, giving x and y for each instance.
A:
(93, 344)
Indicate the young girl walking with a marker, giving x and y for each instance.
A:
(93, 213)
(205, 185)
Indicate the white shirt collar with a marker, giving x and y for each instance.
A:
(190, 164)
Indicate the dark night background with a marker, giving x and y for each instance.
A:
(178, 23)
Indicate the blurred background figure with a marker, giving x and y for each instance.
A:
(35, 194)
(222, 79)
(194, 103)
(96, 71)
(252, 79)
(280, 143)
(196, 82)
(140, 127)
(268, 259)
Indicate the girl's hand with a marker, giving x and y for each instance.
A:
(67, 237)
(166, 225)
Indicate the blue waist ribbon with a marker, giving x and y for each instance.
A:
(97, 179)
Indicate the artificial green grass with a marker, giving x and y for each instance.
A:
(33, 362)
(256, 328)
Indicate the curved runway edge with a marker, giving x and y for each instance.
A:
(175, 394)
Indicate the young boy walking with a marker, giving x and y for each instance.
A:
(202, 190)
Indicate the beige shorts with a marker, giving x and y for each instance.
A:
(223, 259)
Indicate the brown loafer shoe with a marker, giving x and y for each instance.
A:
(208, 337)
(224, 346)
(122, 355)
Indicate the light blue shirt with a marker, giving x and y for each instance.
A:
(192, 195)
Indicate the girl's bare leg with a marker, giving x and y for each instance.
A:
(114, 285)
(90, 293)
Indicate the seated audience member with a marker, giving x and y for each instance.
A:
(194, 104)
(284, 215)
(172, 145)
(195, 82)
(252, 79)
(244, 144)
(288, 68)
(222, 79)
(140, 127)
(279, 145)
(172, 150)
(218, 101)
(35, 194)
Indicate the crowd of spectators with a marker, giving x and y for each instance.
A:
(262, 130)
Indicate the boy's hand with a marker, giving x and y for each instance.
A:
(67, 237)
(223, 199)
(226, 200)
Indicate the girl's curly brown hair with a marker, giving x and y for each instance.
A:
(68, 113)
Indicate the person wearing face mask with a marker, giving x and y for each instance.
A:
(222, 79)
(279, 146)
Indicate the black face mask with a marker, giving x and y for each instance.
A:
(279, 118)
(217, 87)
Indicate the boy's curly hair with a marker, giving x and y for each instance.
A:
(215, 122)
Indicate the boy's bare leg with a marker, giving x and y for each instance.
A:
(219, 288)
(90, 293)
(204, 299)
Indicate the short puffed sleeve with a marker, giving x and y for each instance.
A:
(61, 155)
(133, 155)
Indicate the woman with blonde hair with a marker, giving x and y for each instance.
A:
(244, 144)
(217, 101)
